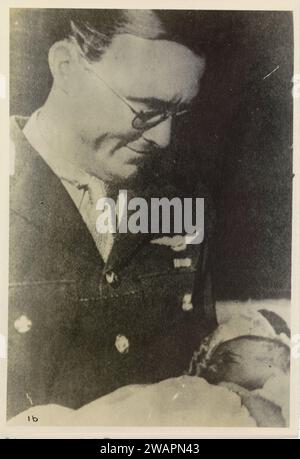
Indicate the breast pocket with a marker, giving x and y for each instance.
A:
(168, 294)
(166, 279)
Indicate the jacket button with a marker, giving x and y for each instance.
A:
(187, 304)
(112, 278)
(122, 344)
(22, 324)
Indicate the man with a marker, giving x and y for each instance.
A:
(91, 312)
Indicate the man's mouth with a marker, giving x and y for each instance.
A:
(140, 152)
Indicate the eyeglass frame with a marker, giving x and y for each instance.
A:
(138, 114)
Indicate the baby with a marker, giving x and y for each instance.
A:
(249, 361)
(253, 366)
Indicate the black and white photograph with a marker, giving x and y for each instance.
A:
(151, 172)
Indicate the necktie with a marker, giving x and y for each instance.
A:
(92, 190)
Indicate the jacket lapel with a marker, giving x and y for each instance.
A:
(127, 244)
(38, 195)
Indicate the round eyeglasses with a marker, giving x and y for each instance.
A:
(143, 120)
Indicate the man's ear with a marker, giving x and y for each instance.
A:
(63, 58)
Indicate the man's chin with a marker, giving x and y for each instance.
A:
(133, 176)
(127, 176)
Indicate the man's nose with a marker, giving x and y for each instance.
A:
(160, 135)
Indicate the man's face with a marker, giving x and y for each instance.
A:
(151, 75)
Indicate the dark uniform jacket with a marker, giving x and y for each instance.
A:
(80, 328)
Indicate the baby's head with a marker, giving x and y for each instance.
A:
(248, 361)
